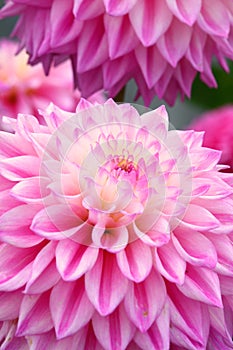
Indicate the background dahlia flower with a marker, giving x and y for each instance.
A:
(24, 89)
(115, 234)
(218, 127)
(162, 44)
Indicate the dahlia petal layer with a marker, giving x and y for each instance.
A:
(115, 232)
(161, 44)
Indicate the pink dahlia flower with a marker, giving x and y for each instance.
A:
(162, 44)
(24, 89)
(218, 127)
(115, 234)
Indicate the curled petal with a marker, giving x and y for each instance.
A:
(113, 240)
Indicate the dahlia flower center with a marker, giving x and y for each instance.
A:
(126, 165)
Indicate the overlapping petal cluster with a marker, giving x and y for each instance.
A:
(162, 44)
(116, 233)
(218, 127)
(24, 89)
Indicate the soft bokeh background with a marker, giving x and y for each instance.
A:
(202, 99)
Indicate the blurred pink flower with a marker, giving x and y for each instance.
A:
(218, 127)
(162, 44)
(24, 89)
(115, 234)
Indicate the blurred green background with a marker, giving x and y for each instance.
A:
(203, 98)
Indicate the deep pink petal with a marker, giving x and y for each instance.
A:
(188, 317)
(114, 331)
(105, 285)
(135, 262)
(73, 260)
(186, 12)
(169, 45)
(195, 248)
(144, 15)
(34, 315)
(170, 264)
(56, 222)
(114, 8)
(202, 284)
(10, 303)
(15, 223)
(44, 274)
(158, 336)
(15, 266)
(144, 301)
(70, 296)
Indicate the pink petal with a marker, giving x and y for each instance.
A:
(56, 222)
(221, 321)
(7, 202)
(135, 261)
(18, 168)
(214, 20)
(144, 301)
(70, 307)
(73, 259)
(224, 249)
(195, 52)
(121, 36)
(170, 264)
(199, 218)
(203, 285)
(44, 274)
(169, 45)
(149, 59)
(143, 17)
(157, 235)
(158, 336)
(37, 342)
(31, 190)
(105, 285)
(114, 8)
(10, 303)
(87, 9)
(34, 316)
(188, 316)
(15, 266)
(195, 248)
(114, 331)
(92, 45)
(187, 12)
(64, 26)
(11, 145)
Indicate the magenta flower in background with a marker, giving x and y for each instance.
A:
(162, 44)
(24, 89)
(218, 127)
(115, 234)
